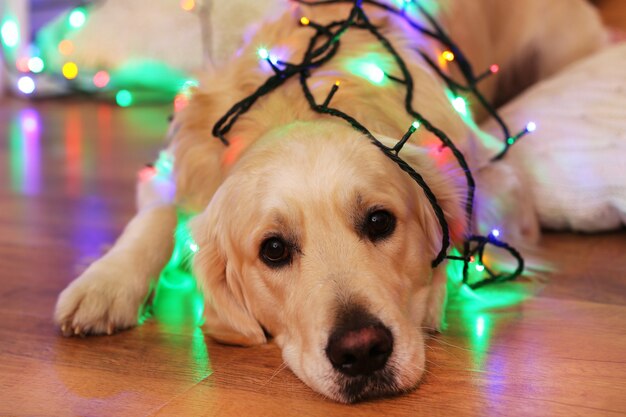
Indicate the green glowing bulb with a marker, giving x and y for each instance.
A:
(263, 53)
(373, 73)
(164, 164)
(77, 18)
(35, 65)
(124, 98)
(10, 34)
(480, 268)
(416, 125)
(460, 105)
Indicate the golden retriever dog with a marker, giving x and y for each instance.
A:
(308, 233)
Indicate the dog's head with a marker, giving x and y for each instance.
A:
(320, 240)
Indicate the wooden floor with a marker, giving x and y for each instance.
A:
(66, 189)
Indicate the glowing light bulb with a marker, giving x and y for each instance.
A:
(495, 233)
(35, 65)
(188, 5)
(460, 105)
(66, 47)
(304, 21)
(480, 268)
(263, 53)
(531, 127)
(510, 141)
(374, 73)
(337, 83)
(70, 70)
(22, 64)
(447, 56)
(480, 326)
(124, 98)
(416, 125)
(26, 85)
(101, 79)
(194, 247)
(180, 102)
(494, 68)
(10, 34)
(77, 18)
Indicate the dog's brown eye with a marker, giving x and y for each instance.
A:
(379, 225)
(275, 252)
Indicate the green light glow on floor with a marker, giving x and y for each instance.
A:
(496, 296)
(200, 356)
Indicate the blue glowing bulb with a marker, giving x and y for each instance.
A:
(495, 233)
(531, 127)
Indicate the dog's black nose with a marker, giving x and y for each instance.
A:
(360, 351)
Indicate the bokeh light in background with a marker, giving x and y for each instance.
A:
(188, 5)
(26, 85)
(77, 18)
(66, 47)
(22, 64)
(101, 79)
(124, 98)
(70, 70)
(10, 33)
(35, 65)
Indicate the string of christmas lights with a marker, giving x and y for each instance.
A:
(315, 57)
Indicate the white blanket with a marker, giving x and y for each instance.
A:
(576, 160)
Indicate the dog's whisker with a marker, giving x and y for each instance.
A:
(278, 370)
(451, 345)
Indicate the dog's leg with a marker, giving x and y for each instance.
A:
(109, 294)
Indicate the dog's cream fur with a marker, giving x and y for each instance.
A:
(294, 173)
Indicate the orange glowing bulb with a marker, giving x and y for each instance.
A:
(337, 83)
(188, 5)
(448, 56)
(66, 47)
(305, 21)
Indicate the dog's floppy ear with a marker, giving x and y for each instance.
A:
(227, 316)
(447, 181)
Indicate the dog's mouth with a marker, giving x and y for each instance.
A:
(381, 383)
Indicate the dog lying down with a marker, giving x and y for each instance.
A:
(309, 233)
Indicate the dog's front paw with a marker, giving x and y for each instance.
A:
(102, 300)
